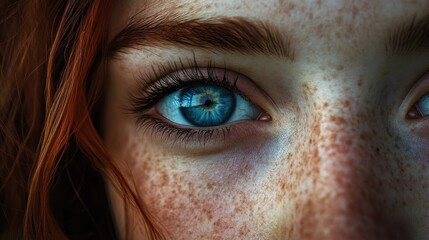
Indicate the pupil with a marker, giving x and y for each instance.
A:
(208, 103)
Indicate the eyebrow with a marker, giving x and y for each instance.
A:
(409, 37)
(236, 34)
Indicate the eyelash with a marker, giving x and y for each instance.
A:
(177, 76)
(420, 90)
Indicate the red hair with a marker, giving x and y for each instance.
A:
(53, 57)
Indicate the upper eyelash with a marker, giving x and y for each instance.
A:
(148, 94)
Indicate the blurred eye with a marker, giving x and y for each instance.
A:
(206, 106)
(422, 106)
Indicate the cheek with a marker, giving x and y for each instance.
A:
(280, 196)
(368, 175)
(416, 167)
(189, 203)
(182, 195)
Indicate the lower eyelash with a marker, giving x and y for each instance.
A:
(166, 131)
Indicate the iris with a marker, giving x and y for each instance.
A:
(423, 105)
(207, 106)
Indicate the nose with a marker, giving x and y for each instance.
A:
(342, 196)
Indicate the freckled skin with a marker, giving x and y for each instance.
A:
(339, 161)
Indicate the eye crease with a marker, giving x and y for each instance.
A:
(420, 100)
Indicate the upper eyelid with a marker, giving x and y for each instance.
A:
(147, 93)
(417, 90)
(164, 70)
(418, 87)
(181, 75)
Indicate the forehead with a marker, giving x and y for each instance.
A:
(313, 24)
(328, 26)
(356, 12)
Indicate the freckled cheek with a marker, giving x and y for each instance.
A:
(418, 143)
(411, 185)
(187, 204)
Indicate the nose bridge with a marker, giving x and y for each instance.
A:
(339, 204)
(340, 142)
(340, 133)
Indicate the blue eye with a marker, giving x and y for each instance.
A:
(206, 106)
(423, 105)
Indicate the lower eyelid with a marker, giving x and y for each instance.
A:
(163, 133)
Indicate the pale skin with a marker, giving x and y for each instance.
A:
(338, 158)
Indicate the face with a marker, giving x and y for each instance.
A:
(286, 119)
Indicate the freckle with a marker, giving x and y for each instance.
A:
(377, 151)
(306, 87)
(339, 20)
(325, 105)
(165, 179)
(334, 137)
(348, 142)
(316, 157)
(319, 28)
(360, 81)
(363, 136)
(220, 225)
(283, 186)
(316, 128)
(291, 6)
(210, 185)
(350, 28)
(340, 67)
(346, 103)
(400, 165)
(355, 11)
(244, 230)
(208, 211)
(337, 120)
(338, 35)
